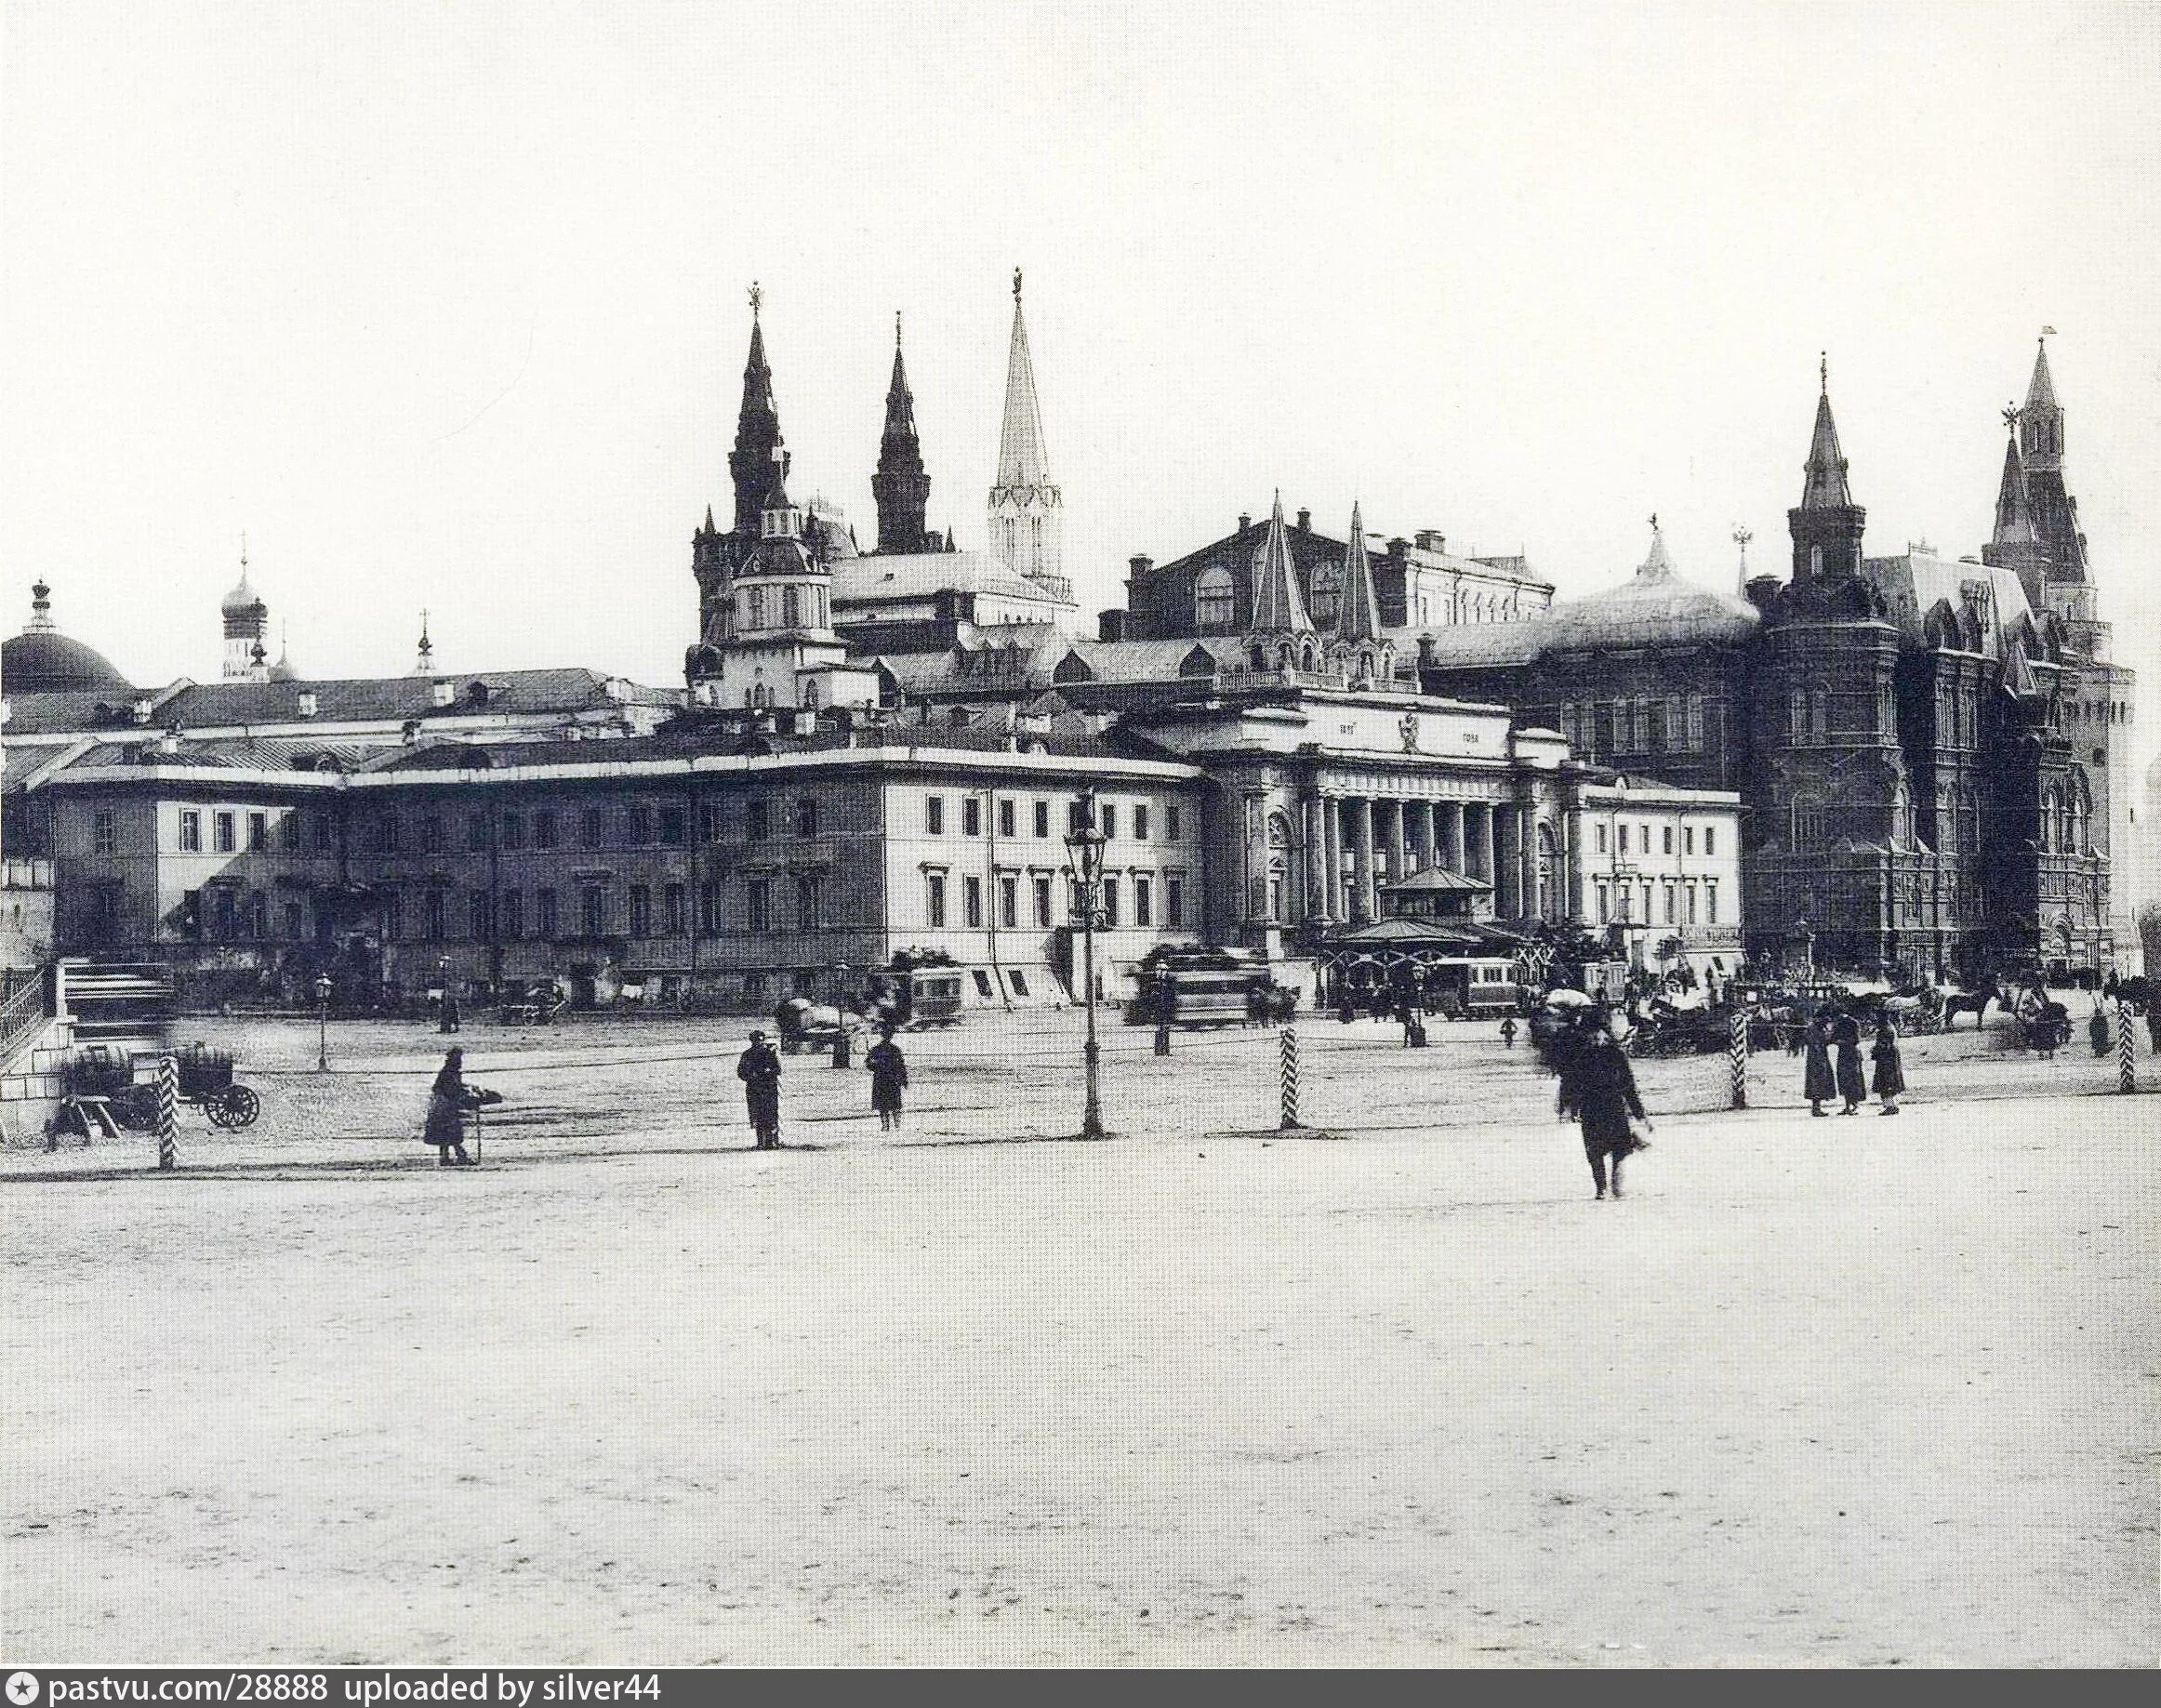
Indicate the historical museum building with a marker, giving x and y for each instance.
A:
(1933, 754)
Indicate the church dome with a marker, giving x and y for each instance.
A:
(43, 660)
(1655, 607)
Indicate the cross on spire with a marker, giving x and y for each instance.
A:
(1823, 371)
(1016, 285)
(757, 296)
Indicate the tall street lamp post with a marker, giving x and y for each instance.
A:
(322, 1022)
(1084, 845)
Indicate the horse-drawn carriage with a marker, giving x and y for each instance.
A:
(2043, 1022)
(805, 1025)
(125, 1086)
(540, 1005)
(1672, 1029)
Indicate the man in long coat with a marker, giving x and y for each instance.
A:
(1599, 1088)
(1852, 1081)
(1817, 1080)
(759, 1068)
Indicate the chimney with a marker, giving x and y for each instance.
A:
(1110, 625)
(1397, 548)
(1139, 567)
(169, 743)
(142, 709)
(1432, 539)
(1305, 521)
(410, 733)
(1245, 520)
(444, 692)
(307, 702)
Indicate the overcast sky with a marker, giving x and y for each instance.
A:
(444, 304)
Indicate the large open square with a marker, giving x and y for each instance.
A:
(1837, 1392)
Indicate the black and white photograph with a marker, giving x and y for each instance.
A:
(966, 836)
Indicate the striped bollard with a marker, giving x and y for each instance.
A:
(2127, 1075)
(1737, 1057)
(1290, 1120)
(168, 1110)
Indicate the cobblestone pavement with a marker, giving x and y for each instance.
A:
(1837, 1392)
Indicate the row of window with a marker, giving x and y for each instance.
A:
(1106, 818)
(1687, 901)
(770, 904)
(635, 823)
(1111, 913)
(226, 829)
(1671, 724)
(1688, 839)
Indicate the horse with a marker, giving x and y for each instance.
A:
(1974, 1002)
(1916, 1011)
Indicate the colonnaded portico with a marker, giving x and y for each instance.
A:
(1325, 798)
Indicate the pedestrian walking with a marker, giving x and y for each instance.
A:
(1853, 1081)
(1599, 1088)
(447, 1100)
(2096, 1029)
(1817, 1080)
(888, 1071)
(1508, 1031)
(759, 1068)
(1891, 1072)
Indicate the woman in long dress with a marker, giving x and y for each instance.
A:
(888, 1071)
(445, 1128)
(1891, 1073)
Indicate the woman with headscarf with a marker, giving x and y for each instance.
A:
(447, 1100)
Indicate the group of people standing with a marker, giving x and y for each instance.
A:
(759, 1068)
(1832, 1068)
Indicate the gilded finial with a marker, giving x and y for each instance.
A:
(896, 329)
(1016, 285)
(757, 296)
(1823, 371)
(1655, 522)
(2011, 416)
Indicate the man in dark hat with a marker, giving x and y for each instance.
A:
(759, 1068)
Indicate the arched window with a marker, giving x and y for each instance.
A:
(1808, 822)
(1212, 600)
(756, 619)
(790, 608)
(2081, 816)
(810, 694)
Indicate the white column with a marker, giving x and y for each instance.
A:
(1369, 901)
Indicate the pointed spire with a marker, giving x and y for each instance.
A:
(1357, 616)
(901, 486)
(2041, 388)
(1658, 564)
(1021, 459)
(2014, 516)
(1825, 487)
(1279, 606)
(758, 440)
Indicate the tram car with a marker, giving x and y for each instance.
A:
(917, 997)
(1472, 987)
